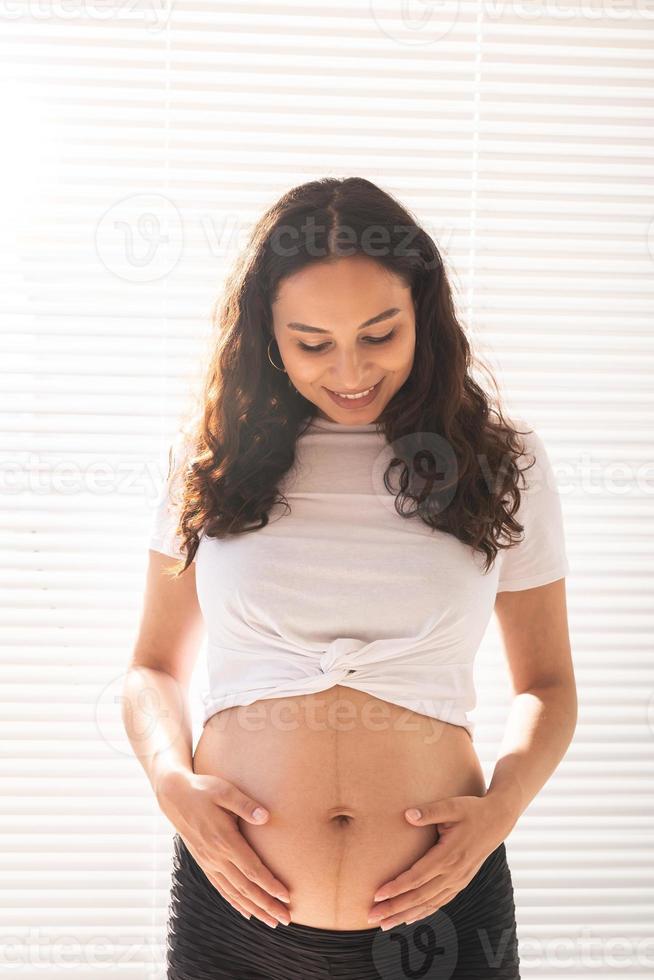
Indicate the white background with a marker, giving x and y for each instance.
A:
(141, 140)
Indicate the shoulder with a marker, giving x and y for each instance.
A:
(534, 460)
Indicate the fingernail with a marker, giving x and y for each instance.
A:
(282, 897)
(414, 814)
(259, 814)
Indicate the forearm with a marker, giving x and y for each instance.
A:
(156, 717)
(539, 729)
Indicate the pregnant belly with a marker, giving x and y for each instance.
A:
(336, 771)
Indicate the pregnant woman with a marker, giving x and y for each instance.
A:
(341, 518)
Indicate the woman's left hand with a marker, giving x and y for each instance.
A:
(470, 828)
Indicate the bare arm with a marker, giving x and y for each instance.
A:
(203, 809)
(543, 715)
(156, 717)
(155, 708)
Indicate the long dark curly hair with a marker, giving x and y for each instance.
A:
(457, 467)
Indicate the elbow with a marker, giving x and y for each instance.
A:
(568, 705)
(560, 695)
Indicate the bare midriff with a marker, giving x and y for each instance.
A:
(336, 770)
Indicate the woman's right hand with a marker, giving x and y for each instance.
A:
(205, 809)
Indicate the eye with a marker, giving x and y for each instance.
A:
(380, 340)
(371, 340)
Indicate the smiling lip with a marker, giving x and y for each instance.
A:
(353, 403)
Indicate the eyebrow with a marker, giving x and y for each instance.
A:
(386, 315)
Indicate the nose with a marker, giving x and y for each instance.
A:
(350, 373)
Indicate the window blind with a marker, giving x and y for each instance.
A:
(141, 142)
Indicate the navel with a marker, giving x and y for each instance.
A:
(340, 815)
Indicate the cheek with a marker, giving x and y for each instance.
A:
(407, 352)
(398, 357)
(399, 363)
(304, 368)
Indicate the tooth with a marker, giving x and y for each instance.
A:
(359, 395)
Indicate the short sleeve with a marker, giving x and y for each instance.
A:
(540, 557)
(166, 509)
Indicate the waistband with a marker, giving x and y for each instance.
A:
(491, 887)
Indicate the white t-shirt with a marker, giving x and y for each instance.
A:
(343, 590)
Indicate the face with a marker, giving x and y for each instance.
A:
(342, 327)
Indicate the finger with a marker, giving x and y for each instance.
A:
(239, 908)
(240, 902)
(406, 918)
(232, 898)
(222, 885)
(395, 906)
(230, 796)
(237, 850)
(442, 812)
(246, 887)
(421, 873)
(413, 914)
(248, 906)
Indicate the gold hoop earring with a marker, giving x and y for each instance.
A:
(283, 370)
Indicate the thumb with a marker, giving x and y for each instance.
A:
(438, 812)
(255, 813)
(231, 797)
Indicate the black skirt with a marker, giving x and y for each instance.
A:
(472, 937)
